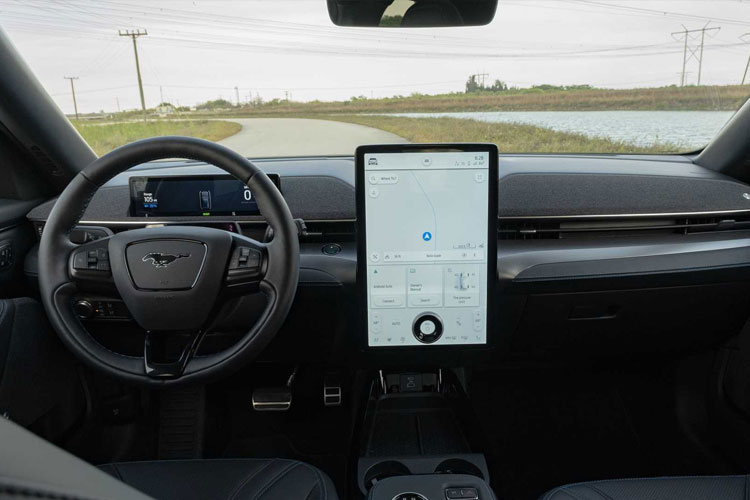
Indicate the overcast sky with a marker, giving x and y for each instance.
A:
(201, 49)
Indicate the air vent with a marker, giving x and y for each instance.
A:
(539, 229)
(329, 231)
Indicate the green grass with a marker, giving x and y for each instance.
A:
(703, 98)
(106, 137)
(509, 137)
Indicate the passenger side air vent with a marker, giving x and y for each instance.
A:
(539, 229)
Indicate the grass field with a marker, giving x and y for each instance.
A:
(704, 98)
(509, 137)
(106, 137)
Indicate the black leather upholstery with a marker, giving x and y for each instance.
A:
(32, 468)
(225, 479)
(663, 488)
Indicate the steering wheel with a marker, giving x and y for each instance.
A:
(170, 278)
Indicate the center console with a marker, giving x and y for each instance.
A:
(442, 487)
(420, 440)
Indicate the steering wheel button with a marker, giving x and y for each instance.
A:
(80, 261)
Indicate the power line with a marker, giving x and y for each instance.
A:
(134, 34)
(239, 42)
(657, 12)
(73, 91)
(339, 49)
(695, 51)
(93, 91)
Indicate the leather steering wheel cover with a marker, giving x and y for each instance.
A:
(280, 284)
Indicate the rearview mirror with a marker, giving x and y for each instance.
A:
(411, 13)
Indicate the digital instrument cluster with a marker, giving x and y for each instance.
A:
(205, 195)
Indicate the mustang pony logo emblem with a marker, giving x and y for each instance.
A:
(159, 259)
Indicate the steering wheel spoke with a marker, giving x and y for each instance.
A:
(154, 346)
(247, 265)
(89, 267)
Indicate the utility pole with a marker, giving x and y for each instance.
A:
(695, 52)
(745, 39)
(73, 90)
(134, 34)
(700, 58)
(237, 95)
(684, 58)
(479, 79)
(117, 99)
(161, 95)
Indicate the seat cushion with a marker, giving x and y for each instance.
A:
(661, 488)
(224, 479)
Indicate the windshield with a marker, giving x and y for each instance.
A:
(277, 78)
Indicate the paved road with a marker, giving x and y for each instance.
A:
(261, 137)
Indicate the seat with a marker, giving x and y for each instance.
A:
(30, 467)
(225, 479)
(663, 488)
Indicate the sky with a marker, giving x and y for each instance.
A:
(197, 50)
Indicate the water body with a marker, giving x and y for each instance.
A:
(686, 129)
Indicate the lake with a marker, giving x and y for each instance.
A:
(686, 129)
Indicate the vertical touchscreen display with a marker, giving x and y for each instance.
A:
(426, 237)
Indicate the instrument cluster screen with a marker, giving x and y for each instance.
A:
(428, 246)
(192, 196)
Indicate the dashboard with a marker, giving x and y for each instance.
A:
(595, 254)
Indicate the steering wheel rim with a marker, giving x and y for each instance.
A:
(279, 275)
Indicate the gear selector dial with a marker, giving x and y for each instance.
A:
(427, 328)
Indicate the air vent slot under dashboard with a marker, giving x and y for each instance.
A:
(328, 231)
(539, 229)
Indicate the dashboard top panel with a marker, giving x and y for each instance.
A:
(530, 186)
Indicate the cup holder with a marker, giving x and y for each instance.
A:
(384, 470)
(459, 466)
